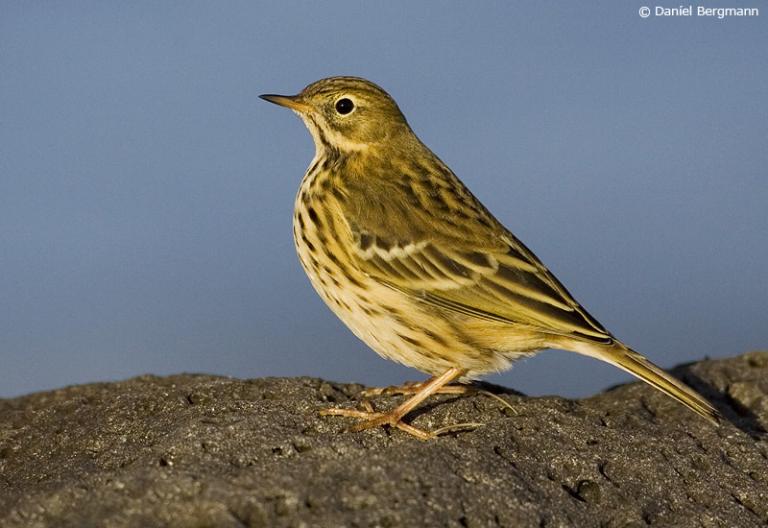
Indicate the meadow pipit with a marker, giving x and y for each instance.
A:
(417, 267)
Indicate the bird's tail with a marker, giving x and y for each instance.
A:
(636, 364)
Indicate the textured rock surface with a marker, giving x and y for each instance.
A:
(198, 451)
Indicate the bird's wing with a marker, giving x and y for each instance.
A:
(447, 250)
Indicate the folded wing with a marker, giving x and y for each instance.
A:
(466, 263)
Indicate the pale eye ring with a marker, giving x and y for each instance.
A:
(344, 105)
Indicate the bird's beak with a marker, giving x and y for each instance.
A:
(289, 101)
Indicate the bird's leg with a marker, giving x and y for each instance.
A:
(394, 417)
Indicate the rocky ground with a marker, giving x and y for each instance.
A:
(205, 451)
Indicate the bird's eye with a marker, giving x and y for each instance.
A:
(344, 106)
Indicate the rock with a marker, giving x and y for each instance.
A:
(206, 451)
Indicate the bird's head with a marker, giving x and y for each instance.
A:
(347, 114)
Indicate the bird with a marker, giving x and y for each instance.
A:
(418, 268)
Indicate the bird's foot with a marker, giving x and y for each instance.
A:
(413, 387)
(372, 419)
(394, 418)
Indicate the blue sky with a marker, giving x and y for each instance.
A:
(146, 192)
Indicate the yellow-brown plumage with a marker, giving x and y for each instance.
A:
(416, 266)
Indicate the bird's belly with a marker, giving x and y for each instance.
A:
(384, 319)
(364, 307)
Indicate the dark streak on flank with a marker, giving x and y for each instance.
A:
(309, 244)
(412, 341)
(440, 340)
(342, 304)
(313, 216)
(357, 283)
(342, 268)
